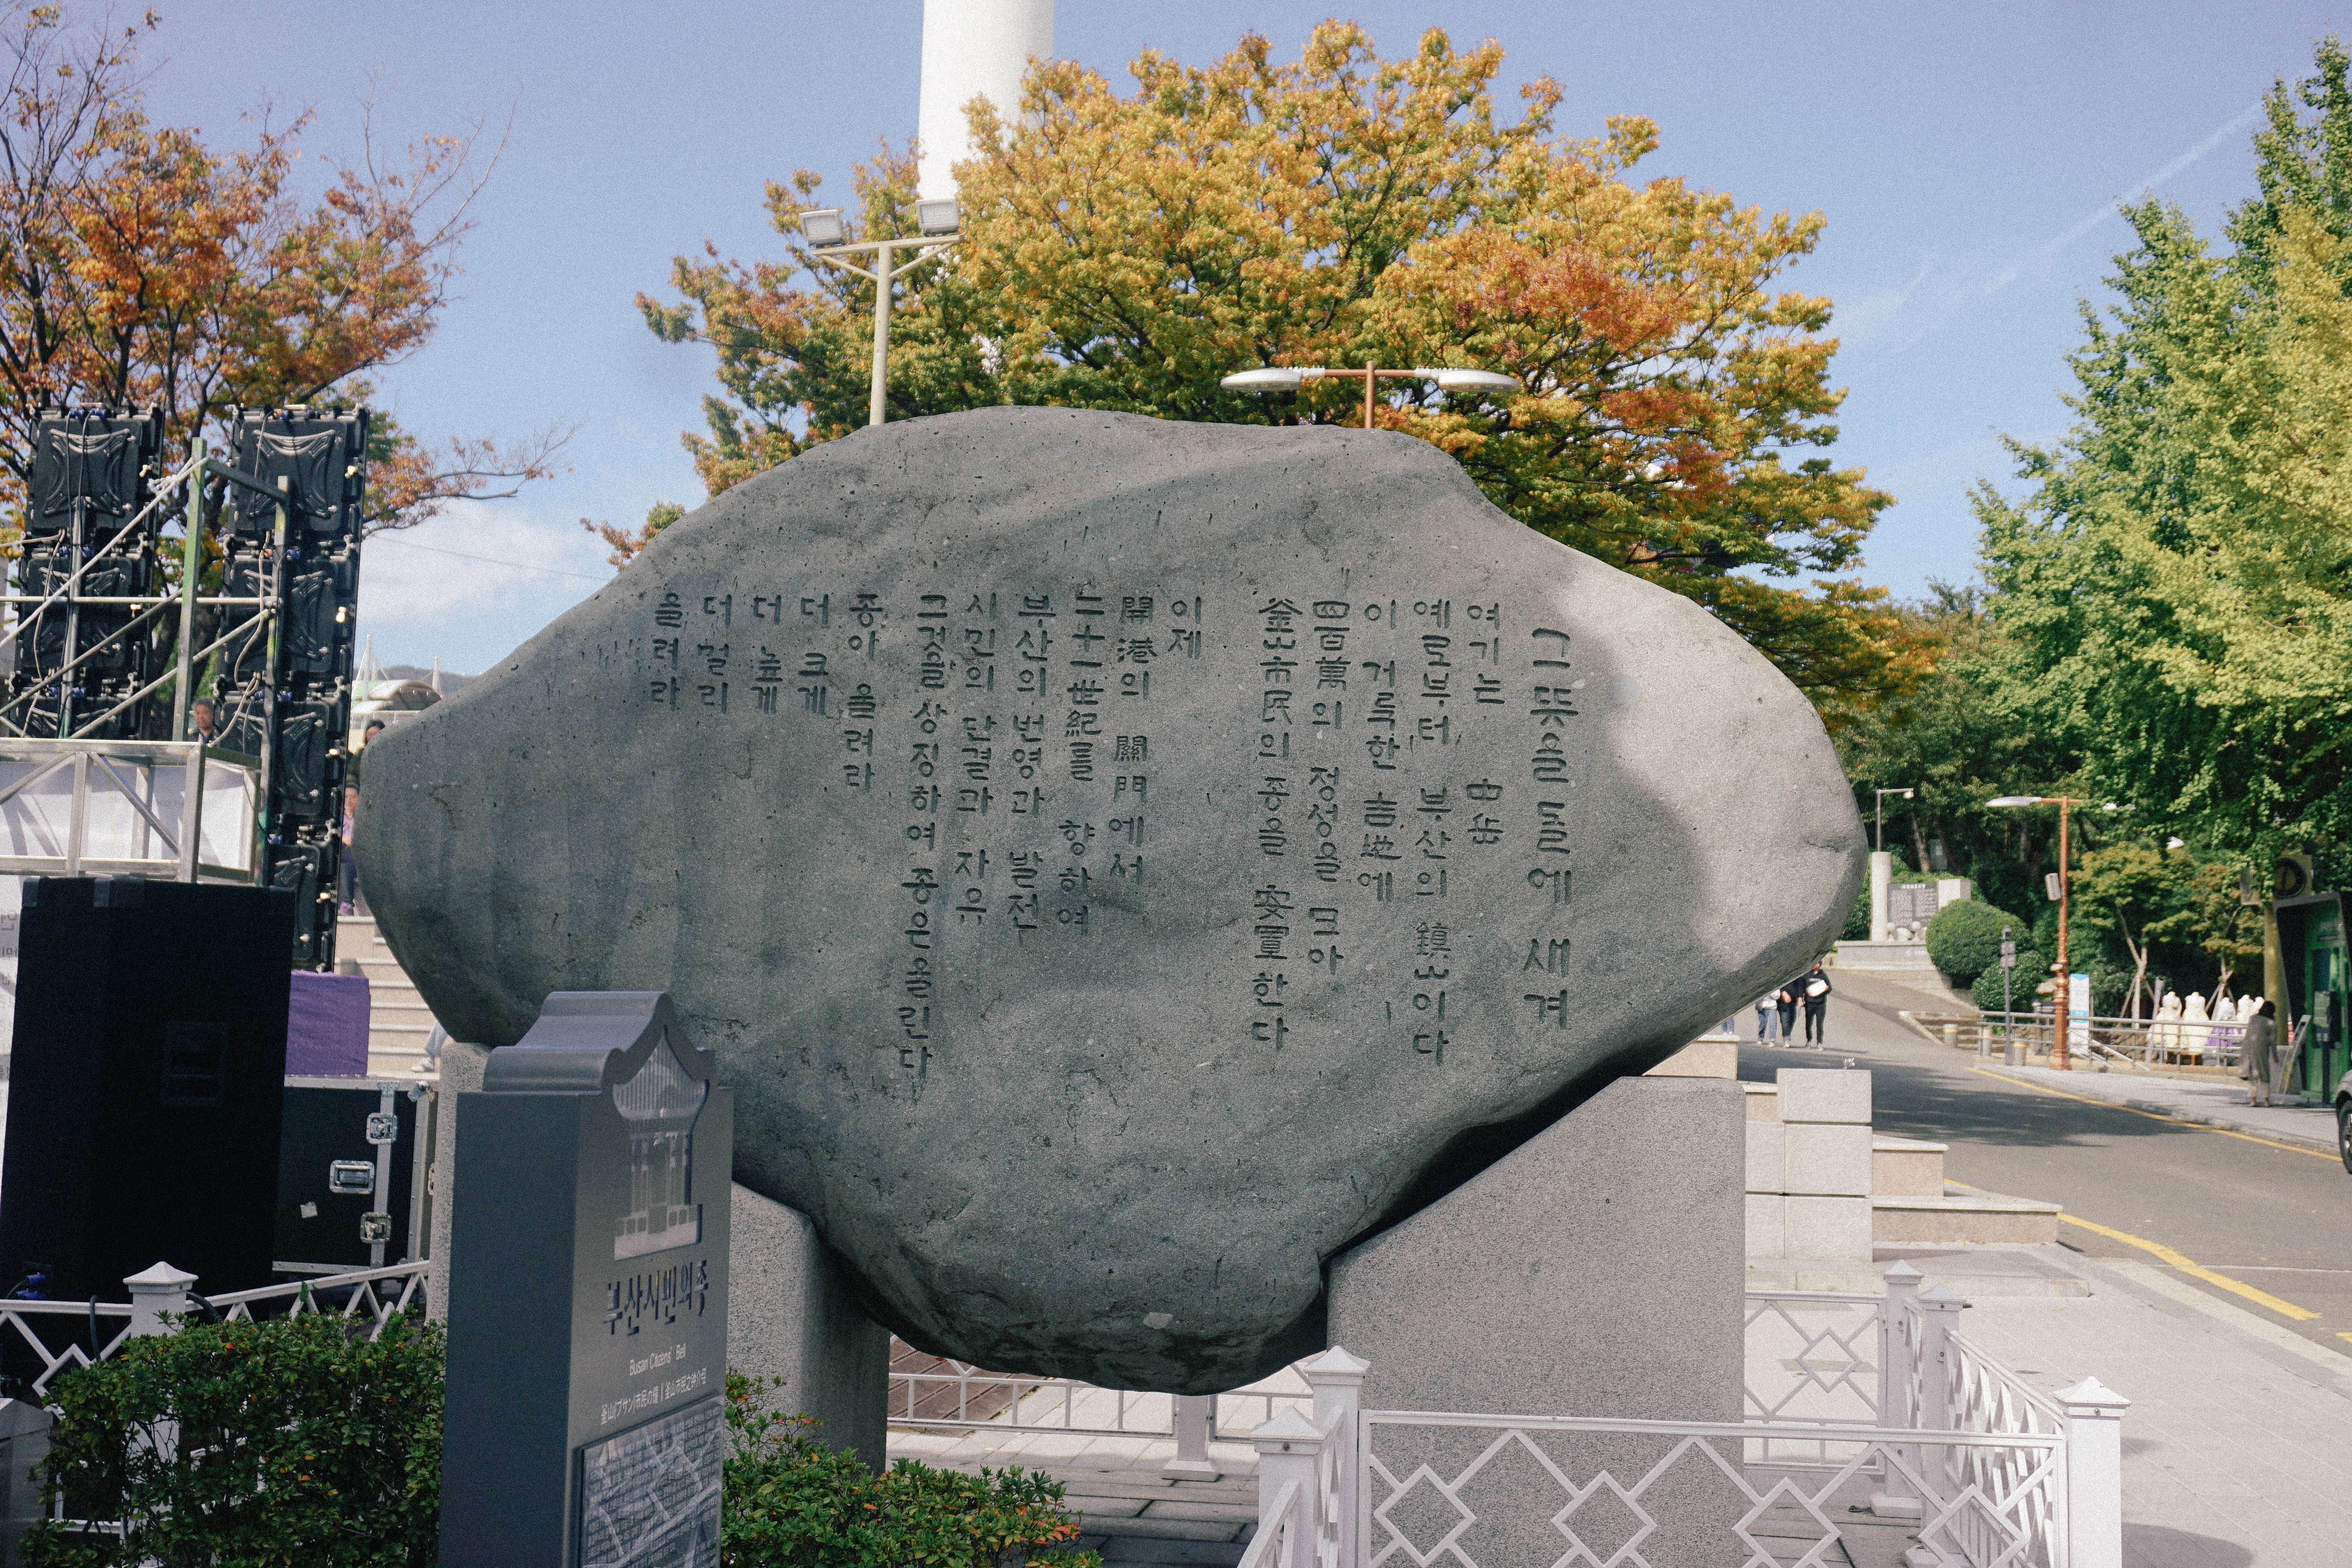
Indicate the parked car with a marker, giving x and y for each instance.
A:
(2343, 1119)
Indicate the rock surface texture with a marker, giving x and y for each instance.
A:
(1120, 863)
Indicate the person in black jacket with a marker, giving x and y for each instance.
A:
(1814, 988)
(1784, 1003)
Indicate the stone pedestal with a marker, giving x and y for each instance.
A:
(1598, 1270)
(1882, 876)
(795, 1317)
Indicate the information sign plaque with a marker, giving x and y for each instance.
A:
(588, 1296)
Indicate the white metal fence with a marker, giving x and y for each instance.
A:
(58, 1336)
(2008, 1479)
(1858, 1408)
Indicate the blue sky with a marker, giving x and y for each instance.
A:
(1966, 159)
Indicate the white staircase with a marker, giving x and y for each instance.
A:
(398, 1020)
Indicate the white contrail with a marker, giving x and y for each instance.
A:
(2031, 261)
(2145, 188)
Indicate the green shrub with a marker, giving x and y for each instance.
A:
(791, 1502)
(2031, 970)
(300, 1444)
(296, 1443)
(1964, 939)
(1857, 919)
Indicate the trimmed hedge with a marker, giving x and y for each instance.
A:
(792, 1504)
(299, 1442)
(1963, 940)
(2033, 969)
(294, 1441)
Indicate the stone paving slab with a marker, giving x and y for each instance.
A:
(2207, 1104)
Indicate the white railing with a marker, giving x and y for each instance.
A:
(1593, 1491)
(60, 1334)
(103, 1325)
(379, 1295)
(2134, 1042)
(961, 1396)
(1863, 1406)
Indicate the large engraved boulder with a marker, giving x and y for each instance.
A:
(1120, 863)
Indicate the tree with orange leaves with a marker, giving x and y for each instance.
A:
(1129, 251)
(140, 267)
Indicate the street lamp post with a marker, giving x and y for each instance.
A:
(1879, 843)
(2059, 1060)
(1288, 378)
(939, 221)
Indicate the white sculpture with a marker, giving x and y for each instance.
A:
(2196, 1026)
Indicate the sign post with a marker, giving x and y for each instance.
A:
(588, 1296)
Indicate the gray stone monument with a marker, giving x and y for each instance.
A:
(588, 1296)
(1122, 863)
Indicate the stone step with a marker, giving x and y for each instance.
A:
(399, 1021)
(1957, 1218)
(1905, 1167)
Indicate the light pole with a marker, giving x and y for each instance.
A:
(2059, 1060)
(1879, 843)
(1286, 378)
(939, 221)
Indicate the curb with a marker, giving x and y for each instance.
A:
(2182, 1113)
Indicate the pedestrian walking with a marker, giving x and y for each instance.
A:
(1815, 988)
(1784, 1003)
(2258, 1054)
(1766, 1016)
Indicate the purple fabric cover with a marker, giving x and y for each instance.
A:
(327, 1026)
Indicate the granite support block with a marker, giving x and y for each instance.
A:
(1825, 1159)
(1767, 1156)
(794, 1316)
(1596, 1271)
(461, 1073)
(1766, 1225)
(1827, 1229)
(1824, 1094)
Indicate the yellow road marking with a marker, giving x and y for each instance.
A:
(2186, 1266)
(2342, 1335)
(2152, 1116)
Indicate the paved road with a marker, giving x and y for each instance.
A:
(2276, 1220)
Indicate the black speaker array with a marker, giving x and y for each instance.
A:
(91, 473)
(146, 1086)
(322, 456)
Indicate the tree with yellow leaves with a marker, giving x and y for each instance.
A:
(1127, 251)
(2175, 589)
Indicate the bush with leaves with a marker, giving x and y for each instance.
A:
(1964, 939)
(2031, 970)
(291, 1441)
(793, 1503)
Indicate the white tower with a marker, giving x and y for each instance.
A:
(972, 49)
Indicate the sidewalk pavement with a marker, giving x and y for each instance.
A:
(2234, 1451)
(2209, 1104)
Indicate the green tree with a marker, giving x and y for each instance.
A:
(2177, 582)
(1954, 740)
(1126, 252)
(2135, 894)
